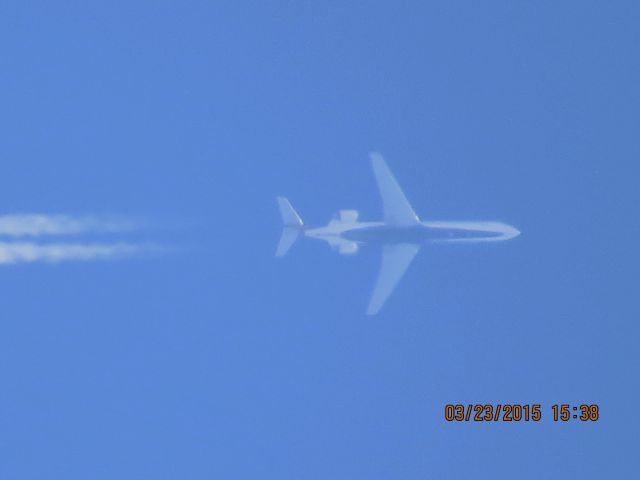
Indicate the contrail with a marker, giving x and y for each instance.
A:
(30, 230)
(25, 252)
(39, 224)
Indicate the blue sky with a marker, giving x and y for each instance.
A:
(216, 360)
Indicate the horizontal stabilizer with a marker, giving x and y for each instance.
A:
(287, 239)
(290, 217)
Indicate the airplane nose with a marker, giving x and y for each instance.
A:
(506, 231)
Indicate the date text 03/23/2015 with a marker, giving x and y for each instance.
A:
(513, 412)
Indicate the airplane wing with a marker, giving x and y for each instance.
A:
(396, 259)
(396, 207)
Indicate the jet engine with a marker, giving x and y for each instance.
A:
(349, 216)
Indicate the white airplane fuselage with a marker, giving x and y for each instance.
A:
(400, 234)
(346, 235)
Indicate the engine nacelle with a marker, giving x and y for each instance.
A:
(348, 248)
(349, 216)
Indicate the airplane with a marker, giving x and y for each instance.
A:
(401, 233)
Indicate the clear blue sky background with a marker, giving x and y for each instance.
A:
(220, 361)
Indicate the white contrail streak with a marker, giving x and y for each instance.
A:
(23, 252)
(37, 224)
(30, 244)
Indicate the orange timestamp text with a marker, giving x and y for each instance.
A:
(514, 412)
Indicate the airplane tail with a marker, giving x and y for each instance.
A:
(290, 217)
(293, 225)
